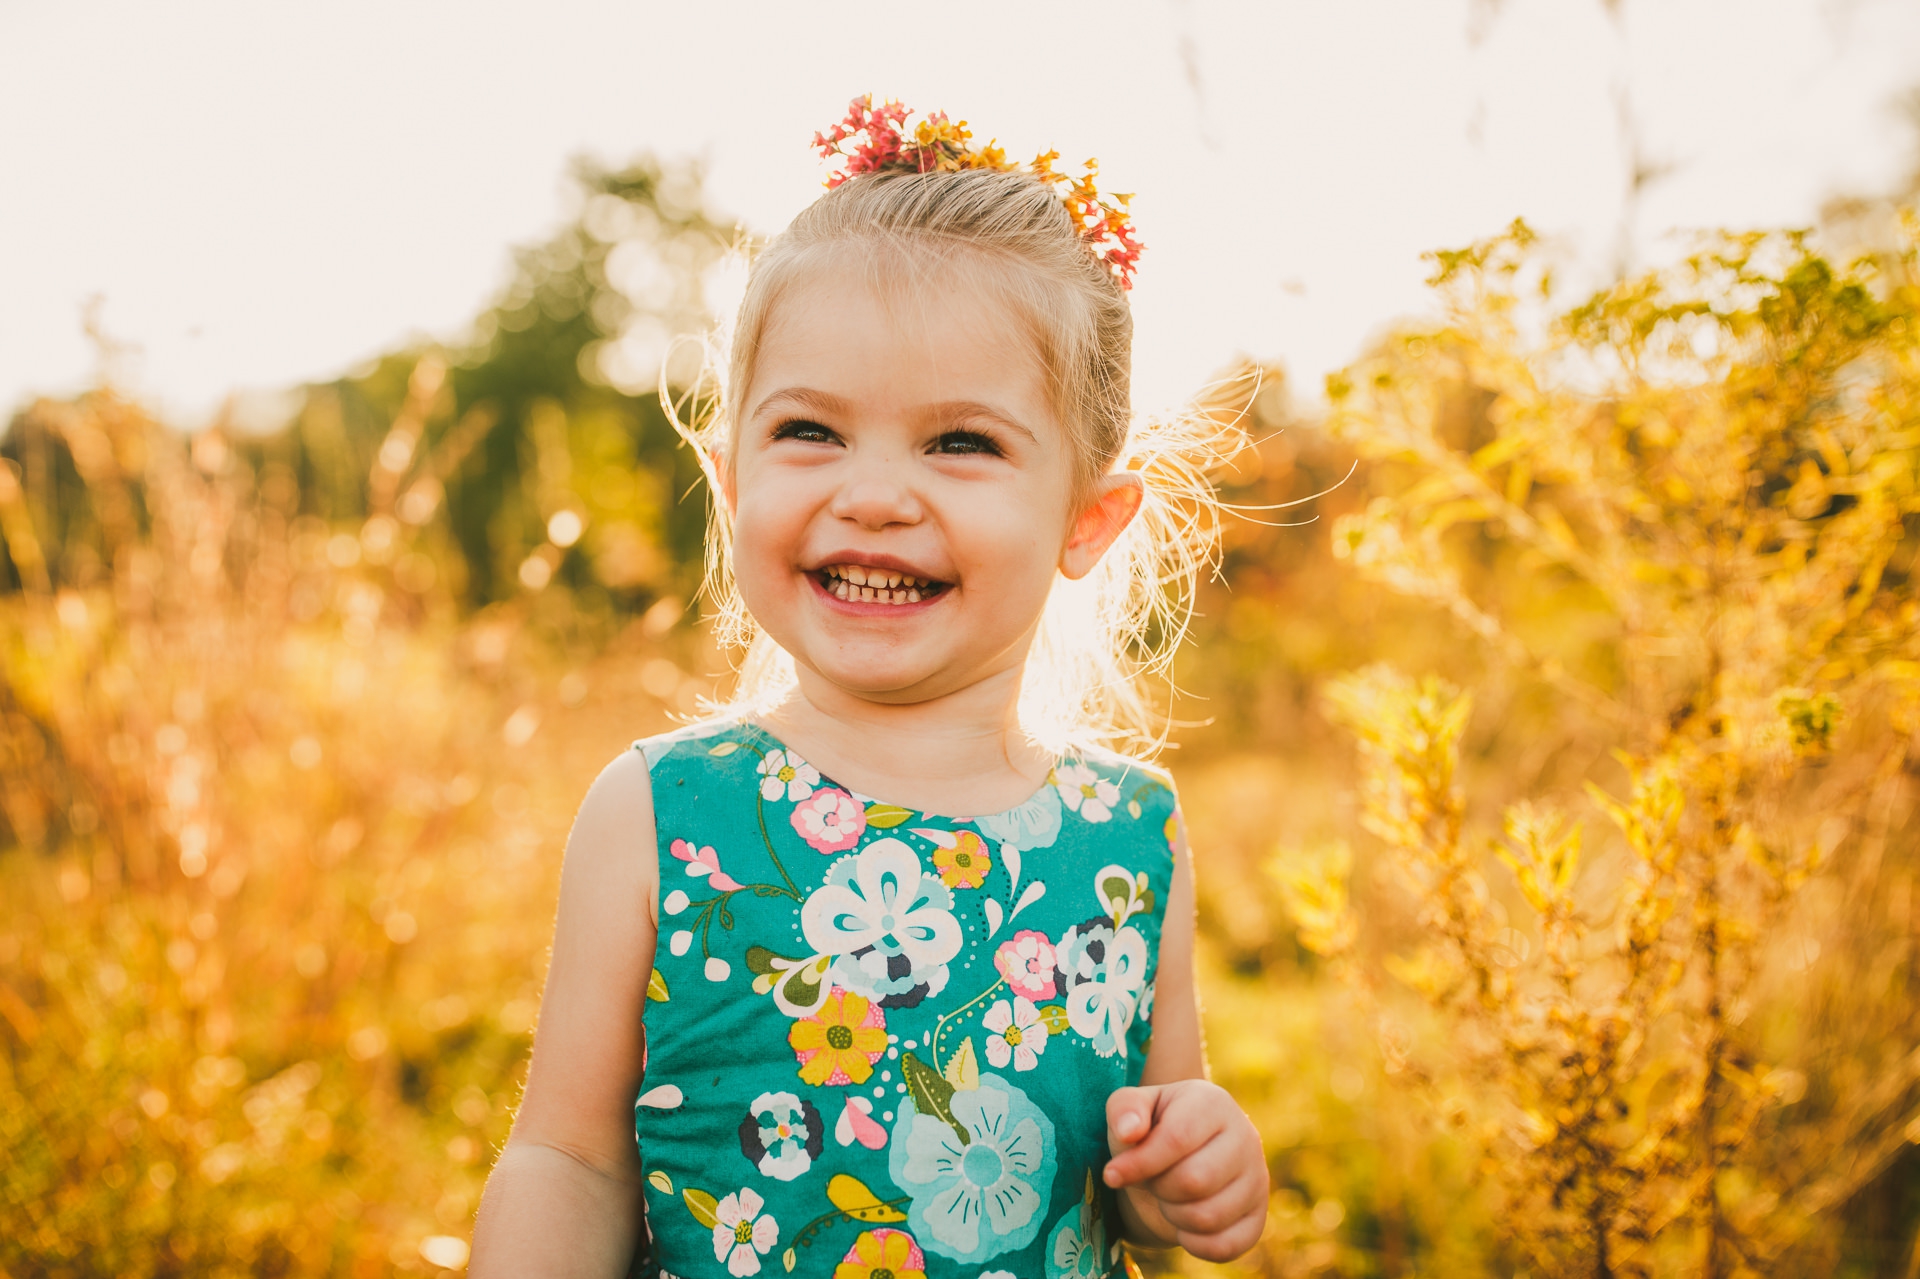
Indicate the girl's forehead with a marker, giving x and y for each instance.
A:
(965, 296)
(934, 335)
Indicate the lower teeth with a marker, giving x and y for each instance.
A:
(840, 588)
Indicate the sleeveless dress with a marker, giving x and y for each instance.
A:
(880, 1041)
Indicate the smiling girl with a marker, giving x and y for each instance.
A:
(925, 1005)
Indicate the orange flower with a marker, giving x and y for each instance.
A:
(966, 864)
(874, 139)
(883, 1254)
(840, 1043)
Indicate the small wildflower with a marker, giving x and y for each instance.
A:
(873, 139)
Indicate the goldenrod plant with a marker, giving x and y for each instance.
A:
(1670, 982)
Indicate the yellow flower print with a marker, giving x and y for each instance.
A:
(966, 864)
(839, 1044)
(883, 1254)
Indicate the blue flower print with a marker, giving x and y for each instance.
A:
(889, 926)
(1077, 1245)
(1034, 824)
(782, 1135)
(983, 1197)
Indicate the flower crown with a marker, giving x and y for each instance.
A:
(872, 139)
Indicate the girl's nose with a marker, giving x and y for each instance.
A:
(876, 496)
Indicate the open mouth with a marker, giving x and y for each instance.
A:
(858, 584)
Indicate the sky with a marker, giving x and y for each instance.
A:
(261, 195)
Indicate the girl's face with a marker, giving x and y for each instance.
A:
(902, 493)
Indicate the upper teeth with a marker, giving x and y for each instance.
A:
(874, 585)
(860, 575)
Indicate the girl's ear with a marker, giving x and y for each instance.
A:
(1116, 500)
(720, 475)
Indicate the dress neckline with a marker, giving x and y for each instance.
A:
(781, 744)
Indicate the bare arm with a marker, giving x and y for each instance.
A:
(1177, 1051)
(1188, 1163)
(564, 1198)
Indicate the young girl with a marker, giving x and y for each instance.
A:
(925, 1005)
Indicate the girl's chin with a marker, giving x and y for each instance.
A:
(880, 681)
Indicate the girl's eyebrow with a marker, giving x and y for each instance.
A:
(807, 400)
(803, 398)
(960, 410)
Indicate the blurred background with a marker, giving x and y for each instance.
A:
(1550, 777)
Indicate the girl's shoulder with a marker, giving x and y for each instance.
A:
(1127, 764)
(660, 745)
(1125, 771)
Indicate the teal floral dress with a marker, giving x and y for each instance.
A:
(880, 1041)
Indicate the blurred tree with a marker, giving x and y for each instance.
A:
(543, 435)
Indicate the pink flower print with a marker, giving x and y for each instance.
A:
(1026, 961)
(831, 820)
(704, 861)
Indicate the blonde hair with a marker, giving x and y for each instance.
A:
(1104, 639)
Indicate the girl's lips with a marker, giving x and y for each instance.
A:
(843, 597)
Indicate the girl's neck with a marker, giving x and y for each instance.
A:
(961, 755)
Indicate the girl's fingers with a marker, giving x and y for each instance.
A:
(1201, 1175)
(1239, 1197)
(1129, 1116)
(1228, 1244)
(1171, 1139)
(1225, 1226)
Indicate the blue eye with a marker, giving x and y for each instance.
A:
(966, 442)
(804, 431)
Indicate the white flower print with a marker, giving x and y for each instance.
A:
(1019, 1034)
(1102, 969)
(890, 927)
(787, 776)
(1085, 791)
(741, 1235)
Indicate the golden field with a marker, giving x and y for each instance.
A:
(1552, 792)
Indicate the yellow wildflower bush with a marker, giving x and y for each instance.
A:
(1677, 524)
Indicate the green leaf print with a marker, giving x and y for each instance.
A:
(963, 1069)
(932, 1094)
(704, 1207)
(886, 816)
(724, 749)
(800, 981)
(657, 988)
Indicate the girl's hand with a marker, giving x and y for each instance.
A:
(1188, 1164)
